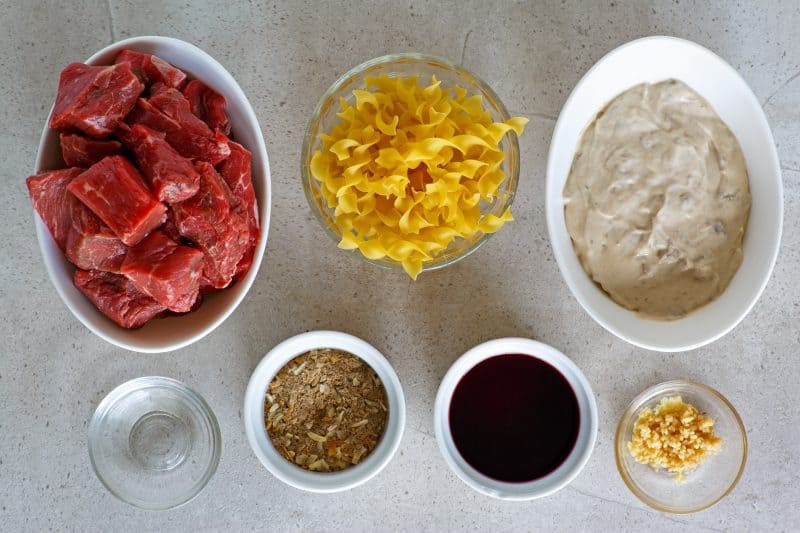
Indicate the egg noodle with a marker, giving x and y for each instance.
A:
(407, 168)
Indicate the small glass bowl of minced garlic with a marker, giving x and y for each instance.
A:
(680, 446)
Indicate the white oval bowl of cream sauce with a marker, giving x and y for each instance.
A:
(651, 60)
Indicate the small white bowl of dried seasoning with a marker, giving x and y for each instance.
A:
(324, 411)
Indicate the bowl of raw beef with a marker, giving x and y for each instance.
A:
(152, 193)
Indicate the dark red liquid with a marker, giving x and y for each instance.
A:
(514, 418)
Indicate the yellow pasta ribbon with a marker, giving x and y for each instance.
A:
(408, 169)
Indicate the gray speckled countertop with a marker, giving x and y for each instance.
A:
(53, 371)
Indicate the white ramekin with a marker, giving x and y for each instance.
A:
(529, 490)
(291, 474)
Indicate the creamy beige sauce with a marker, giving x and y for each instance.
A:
(657, 200)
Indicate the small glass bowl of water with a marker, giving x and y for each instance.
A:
(154, 443)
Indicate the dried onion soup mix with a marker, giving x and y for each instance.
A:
(325, 410)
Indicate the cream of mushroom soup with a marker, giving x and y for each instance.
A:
(657, 200)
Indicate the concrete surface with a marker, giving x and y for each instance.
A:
(53, 371)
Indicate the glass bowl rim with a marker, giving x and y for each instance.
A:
(186, 392)
(484, 88)
(652, 393)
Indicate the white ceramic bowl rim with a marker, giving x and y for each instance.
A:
(587, 431)
(254, 413)
(175, 332)
(653, 59)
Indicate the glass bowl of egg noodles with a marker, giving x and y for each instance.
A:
(411, 162)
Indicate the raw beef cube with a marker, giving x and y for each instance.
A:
(123, 134)
(172, 177)
(213, 146)
(49, 196)
(245, 263)
(145, 113)
(151, 69)
(168, 111)
(94, 99)
(206, 286)
(197, 303)
(114, 190)
(166, 271)
(80, 151)
(169, 227)
(185, 303)
(158, 88)
(91, 245)
(236, 171)
(117, 298)
(208, 220)
(208, 105)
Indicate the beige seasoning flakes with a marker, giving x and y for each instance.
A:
(325, 410)
(675, 436)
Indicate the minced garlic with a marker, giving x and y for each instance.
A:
(675, 436)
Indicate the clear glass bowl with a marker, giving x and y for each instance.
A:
(712, 480)
(154, 443)
(423, 66)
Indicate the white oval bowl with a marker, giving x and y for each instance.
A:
(171, 333)
(322, 482)
(654, 59)
(529, 490)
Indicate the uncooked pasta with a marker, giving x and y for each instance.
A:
(408, 168)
